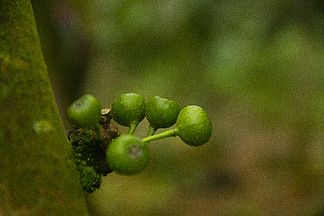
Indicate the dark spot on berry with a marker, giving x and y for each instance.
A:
(135, 152)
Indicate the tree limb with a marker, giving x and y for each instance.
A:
(37, 176)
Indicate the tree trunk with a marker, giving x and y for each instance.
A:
(37, 175)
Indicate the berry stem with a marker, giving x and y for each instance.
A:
(151, 131)
(132, 127)
(165, 134)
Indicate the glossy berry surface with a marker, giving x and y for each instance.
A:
(194, 125)
(128, 108)
(161, 112)
(127, 155)
(84, 112)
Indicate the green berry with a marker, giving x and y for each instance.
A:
(161, 112)
(194, 126)
(84, 112)
(128, 108)
(127, 155)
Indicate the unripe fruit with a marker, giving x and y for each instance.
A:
(128, 108)
(161, 112)
(84, 112)
(194, 125)
(127, 155)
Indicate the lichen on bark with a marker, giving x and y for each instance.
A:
(36, 175)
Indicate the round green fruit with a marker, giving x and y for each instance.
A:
(127, 155)
(194, 126)
(84, 112)
(128, 108)
(161, 112)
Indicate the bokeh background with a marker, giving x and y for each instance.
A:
(256, 67)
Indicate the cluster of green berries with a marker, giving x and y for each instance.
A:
(101, 149)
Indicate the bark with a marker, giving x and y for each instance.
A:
(37, 175)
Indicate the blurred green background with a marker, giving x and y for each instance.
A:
(256, 67)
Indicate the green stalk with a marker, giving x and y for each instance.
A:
(151, 131)
(165, 134)
(132, 127)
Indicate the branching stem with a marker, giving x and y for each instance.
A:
(132, 127)
(165, 134)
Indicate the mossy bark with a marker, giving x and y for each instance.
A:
(37, 177)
